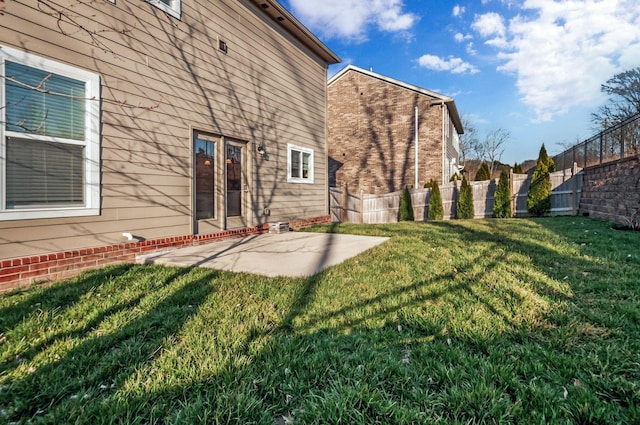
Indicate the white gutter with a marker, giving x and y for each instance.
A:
(444, 146)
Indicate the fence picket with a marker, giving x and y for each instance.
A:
(370, 209)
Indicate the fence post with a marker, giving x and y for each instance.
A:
(345, 200)
(361, 206)
(586, 151)
(511, 190)
(574, 172)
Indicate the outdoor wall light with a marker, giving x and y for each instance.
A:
(260, 150)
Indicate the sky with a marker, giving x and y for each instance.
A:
(531, 67)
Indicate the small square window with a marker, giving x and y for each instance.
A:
(300, 164)
(222, 45)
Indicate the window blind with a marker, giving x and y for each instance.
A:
(43, 173)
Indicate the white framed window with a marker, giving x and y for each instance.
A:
(299, 164)
(49, 138)
(172, 7)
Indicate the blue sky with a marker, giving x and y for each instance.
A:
(533, 67)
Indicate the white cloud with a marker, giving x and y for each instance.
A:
(507, 3)
(475, 119)
(458, 10)
(562, 51)
(459, 37)
(451, 64)
(489, 24)
(351, 19)
(471, 49)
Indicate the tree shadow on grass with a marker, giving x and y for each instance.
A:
(111, 345)
(441, 348)
(58, 296)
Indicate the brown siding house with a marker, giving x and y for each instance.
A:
(129, 126)
(372, 133)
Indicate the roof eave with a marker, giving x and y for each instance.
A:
(292, 25)
(455, 116)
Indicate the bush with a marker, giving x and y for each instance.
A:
(551, 166)
(406, 206)
(436, 211)
(483, 173)
(455, 177)
(539, 196)
(465, 208)
(517, 169)
(502, 203)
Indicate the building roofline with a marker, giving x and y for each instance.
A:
(292, 25)
(451, 105)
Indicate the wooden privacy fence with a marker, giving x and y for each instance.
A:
(370, 209)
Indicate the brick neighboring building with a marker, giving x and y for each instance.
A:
(371, 133)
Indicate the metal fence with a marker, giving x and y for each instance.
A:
(619, 141)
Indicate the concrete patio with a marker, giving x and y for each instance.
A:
(293, 254)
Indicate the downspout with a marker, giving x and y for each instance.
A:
(416, 148)
(327, 199)
(444, 146)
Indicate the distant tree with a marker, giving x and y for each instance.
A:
(483, 173)
(436, 211)
(517, 169)
(502, 202)
(465, 208)
(494, 143)
(406, 206)
(623, 90)
(539, 196)
(470, 146)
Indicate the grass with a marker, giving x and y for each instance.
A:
(479, 321)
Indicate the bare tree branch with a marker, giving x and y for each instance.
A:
(469, 144)
(493, 144)
(624, 99)
(64, 16)
(41, 89)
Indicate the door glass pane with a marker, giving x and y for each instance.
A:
(234, 181)
(205, 178)
(44, 103)
(44, 173)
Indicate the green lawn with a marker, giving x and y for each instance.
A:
(484, 321)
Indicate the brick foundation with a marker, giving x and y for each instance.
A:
(19, 272)
(611, 191)
(306, 222)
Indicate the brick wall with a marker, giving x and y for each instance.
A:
(371, 135)
(19, 272)
(611, 191)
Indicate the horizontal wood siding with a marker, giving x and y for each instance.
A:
(161, 79)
